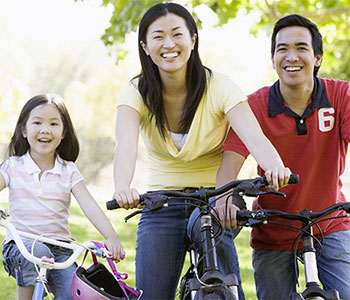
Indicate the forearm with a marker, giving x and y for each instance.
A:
(230, 167)
(127, 136)
(253, 137)
(97, 217)
(124, 166)
(265, 154)
(92, 210)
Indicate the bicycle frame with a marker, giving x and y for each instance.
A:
(43, 262)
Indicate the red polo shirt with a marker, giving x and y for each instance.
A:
(313, 145)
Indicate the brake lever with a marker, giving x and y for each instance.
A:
(132, 215)
(272, 192)
(255, 223)
(153, 203)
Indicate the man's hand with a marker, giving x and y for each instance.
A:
(226, 213)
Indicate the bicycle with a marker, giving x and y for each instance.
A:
(203, 279)
(308, 254)
(44, 264)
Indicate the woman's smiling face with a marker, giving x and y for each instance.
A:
(169, 43)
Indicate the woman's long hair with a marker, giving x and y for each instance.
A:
(150, 84)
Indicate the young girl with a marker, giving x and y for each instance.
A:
(41, 174)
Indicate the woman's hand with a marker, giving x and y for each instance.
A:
(115, 248)
(278, 177)
(127, 198)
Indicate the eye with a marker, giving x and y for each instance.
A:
(36, 123)
(157, 37)
(281, 49)
(55, 124)
(178, 34)
(302, 49)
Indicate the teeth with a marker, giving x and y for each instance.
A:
(170, 55)
(292, 69)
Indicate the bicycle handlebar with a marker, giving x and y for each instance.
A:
(262, 215)
(78, 249)
(248, 187)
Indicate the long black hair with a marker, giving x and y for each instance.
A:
(297, 20)
(150, 85)
(69, 146)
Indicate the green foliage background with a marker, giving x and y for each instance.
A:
(331, 16)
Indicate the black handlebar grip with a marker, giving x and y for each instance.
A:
(112, 204)
(294, 178)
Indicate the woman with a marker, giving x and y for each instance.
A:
(183, 110)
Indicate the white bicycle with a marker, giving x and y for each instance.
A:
(43, 263)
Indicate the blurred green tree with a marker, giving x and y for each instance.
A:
(331, 16)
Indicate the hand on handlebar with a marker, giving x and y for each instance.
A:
(226, 214)
(127, 198)
(115, 248)
(278, 177)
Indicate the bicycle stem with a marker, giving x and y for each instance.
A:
(211, 263)
(309, 257)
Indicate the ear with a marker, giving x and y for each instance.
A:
(194, 40)
(318, 60)
(273, 62)
(24, 133)
(145, 48)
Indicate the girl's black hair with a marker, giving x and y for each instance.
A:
(150, 85)
(69, 146)
(297, 20)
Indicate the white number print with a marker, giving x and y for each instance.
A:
(325, 119)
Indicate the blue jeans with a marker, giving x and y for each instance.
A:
(274, 269)
(161, 249)
(59, 281)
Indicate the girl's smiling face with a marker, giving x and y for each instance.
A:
(44, 131)
(169, 43)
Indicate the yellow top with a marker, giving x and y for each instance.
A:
(198, 160)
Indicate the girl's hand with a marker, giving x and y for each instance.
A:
(115, 247)
(127, 198)
(278, 177)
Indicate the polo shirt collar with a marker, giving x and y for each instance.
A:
(276, 103)
(32, 168)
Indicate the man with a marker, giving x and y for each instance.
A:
(308, 121)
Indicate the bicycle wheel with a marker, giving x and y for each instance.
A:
(185, 293)
(215, 293)
(214, 296)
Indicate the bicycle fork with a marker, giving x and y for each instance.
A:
(313, 288)
(212, 275)
(39, 288)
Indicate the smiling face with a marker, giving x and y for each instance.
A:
(294, 59)
(44, 131)
(169, 43)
